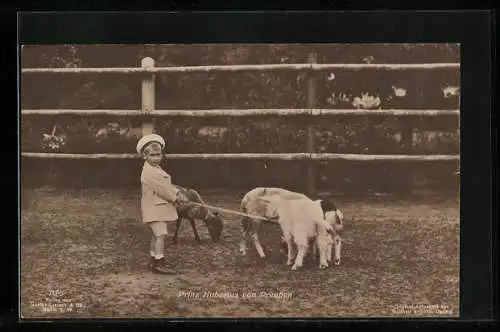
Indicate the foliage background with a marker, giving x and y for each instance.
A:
(407, 89)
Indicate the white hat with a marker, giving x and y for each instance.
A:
(148, 139)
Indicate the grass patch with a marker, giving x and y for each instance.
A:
(87, 252)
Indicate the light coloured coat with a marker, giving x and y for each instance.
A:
(158, 195)
(302, 220)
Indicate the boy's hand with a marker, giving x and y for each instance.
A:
(181, 198)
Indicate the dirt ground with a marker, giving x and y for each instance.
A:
(85, 254)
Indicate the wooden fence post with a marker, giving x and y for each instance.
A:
(311, 128)
(148, 95)
(406, 179)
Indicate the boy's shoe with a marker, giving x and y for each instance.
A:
(159, 266)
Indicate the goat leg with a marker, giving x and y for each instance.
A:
(301, 252)
(329, 253)
(258, 246)
(252, 228)
(289, 244)
(177, 226)
(193, 226)
(323, 264)
(244, 235)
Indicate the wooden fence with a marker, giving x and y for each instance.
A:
(148, 71)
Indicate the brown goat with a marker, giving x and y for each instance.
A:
(212, 220)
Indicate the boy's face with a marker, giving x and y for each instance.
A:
(153, 154)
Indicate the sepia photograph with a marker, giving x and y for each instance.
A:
(239, 180)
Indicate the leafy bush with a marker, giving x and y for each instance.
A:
(339, 89)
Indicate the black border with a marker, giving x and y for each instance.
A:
(471, 29)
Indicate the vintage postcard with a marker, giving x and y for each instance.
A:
(239, 180)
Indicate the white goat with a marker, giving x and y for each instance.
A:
(302, 220)
(250, 204)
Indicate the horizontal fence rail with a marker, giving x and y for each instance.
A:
(239, 68)
(148, 69)
(250, 156)
(240, 112)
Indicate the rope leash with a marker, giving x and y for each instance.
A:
(216, 208)
(245, 214)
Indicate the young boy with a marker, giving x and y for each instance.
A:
(158, 199)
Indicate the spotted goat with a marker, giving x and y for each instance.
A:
(252, 204)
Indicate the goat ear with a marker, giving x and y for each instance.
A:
(327, 205)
